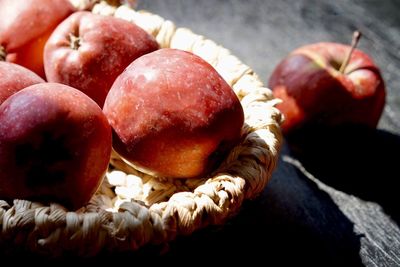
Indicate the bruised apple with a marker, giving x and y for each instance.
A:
(327, 85)
(25, 26)
(14, 78)
(88, 52)
(55, 145)
(173, 115)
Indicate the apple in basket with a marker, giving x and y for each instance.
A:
(173, 115)
(88, 52)
(328, 84)
(14, 78)
(25, 26)
(55, 145)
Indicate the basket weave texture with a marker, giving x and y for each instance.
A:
(132, 209)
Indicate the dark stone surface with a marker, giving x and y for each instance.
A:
(336, 202)
(333, 204)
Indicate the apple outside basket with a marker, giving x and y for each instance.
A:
(132, 209)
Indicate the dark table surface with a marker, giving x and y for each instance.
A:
(331, 205)
(335, 204)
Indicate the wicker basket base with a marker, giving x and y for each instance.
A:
(132, 209)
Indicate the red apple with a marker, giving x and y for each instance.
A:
(14, 78)
(173, 115)
(316, 92)
(88, 52)
(25, 26)
(55, 145)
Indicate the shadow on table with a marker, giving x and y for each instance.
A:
(292, 223)
(359, 161)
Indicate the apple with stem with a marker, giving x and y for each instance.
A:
(25, 26)
(88, 51)
(328, 84)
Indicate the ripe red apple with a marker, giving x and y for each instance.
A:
(173, 115)
(14, 78)
(88, 52)
(316, 92)
(55, 145)
(25, 26)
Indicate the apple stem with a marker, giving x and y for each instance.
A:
(130, 3)
(75, 41)
(2, 53)
(354, 42)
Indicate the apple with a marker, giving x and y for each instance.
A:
(328, 84)
(88, 52)
(25, 26)
(55, 145)
(173, 115)
(15, 78)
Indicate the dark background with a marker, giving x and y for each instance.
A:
(332, 204)
(336, 202)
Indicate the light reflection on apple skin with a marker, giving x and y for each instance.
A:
(314, 91)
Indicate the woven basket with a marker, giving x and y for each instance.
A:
(132, 209)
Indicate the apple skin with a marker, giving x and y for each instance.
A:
(316, 94)
(55, 145)
(106, 46)
(14, 78)
(173, 115)
(25, 26)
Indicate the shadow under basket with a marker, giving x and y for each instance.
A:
(131, 209)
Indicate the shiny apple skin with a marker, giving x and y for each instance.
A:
(14, 78)
(104, 46)
(25, 26)
(314, 92)
(173, 115)
(55, 145)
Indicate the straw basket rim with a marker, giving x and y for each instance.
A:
(132, 209)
